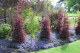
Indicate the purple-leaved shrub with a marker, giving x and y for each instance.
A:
(45, 28)
(77, 29)
(59, 21)
(64, 31)
(18, 33)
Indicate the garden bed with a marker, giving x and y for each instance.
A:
(6, 45)
(68, 48)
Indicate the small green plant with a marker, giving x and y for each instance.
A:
(31, 21)
(5, 30)
(28, 17)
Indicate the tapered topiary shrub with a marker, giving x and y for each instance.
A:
(77, 29)
(64, 31)
(59, 21)
(45, 28)
(18, 34)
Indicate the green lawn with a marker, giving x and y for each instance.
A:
(68, 48)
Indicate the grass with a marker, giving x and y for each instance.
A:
(73, 18)
(68, 48)
(73, 14)
(73, 21)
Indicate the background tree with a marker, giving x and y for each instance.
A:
(76, 7)
(48, 4)
(40, 6)
(60, 1)
(53, 16)
(5, 4)
(71, 3)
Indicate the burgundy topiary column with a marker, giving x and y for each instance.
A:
(59, 21)
(77, 29)
(64, 31)
(18, 34)
(45, 28)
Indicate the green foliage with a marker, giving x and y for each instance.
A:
(5, 30)
(31, 21)
(71, 3)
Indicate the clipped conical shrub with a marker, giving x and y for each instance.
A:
(64, 31)
(59, 21)
(77, 29)
(45, 28)
(18, 33)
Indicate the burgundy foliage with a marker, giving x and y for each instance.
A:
(45, 28)
(59, 21)
(18, 34)
(77, 30)
(64, 31)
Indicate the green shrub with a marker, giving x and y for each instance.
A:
(5, 30)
